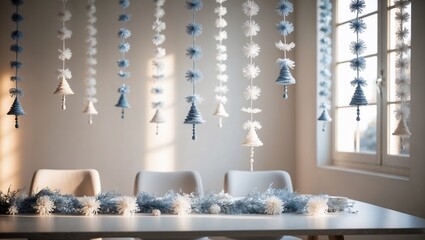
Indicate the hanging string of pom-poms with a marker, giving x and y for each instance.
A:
(16, 108)
(402, 65)
(325, 60)
(64, 74)
(158, 65)
(358, 63)
(285, 28)
(250, 72)
(221, 57)
(91, 61)
(123, 63)
(194, 75)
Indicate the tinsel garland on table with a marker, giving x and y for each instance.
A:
(271, 202)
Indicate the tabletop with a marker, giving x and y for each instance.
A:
(367, 219)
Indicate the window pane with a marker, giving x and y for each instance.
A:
(370, 36)
(344, 13)
(393, 73)
(345, 75)
(344, 37)
(394, 25)
(394, 142)
(354, 136)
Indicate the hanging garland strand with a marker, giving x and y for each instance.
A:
(123, 63)
(221, 57)
(285, 28)
(194, 75)
(251, 71)
(358, 63)
(402, 80)
(158, 65)
(65, 54)
(91, 61)
(16, 108)
(325, 60)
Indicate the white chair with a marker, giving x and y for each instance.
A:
(159, 183)
(241, 183)
(80, 182)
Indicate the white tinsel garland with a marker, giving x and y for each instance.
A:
(44, 205)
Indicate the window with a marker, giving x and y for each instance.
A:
(369, 143)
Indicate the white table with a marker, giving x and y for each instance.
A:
(370, 220)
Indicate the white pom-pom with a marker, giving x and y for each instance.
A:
(156, 212)
(251, 110)
(44, 205)
(158, 26)
(251, 71)
(127, 205)
(251, 28)
(285, 46)
(65, 54)
(251, 125)
(250, 8)
(251, 50)
(159, 52)
(221, 11)
(220, 23)
(158, 39)
(222, 77)
(222, 35)
(13, 209)
(274, 206)
(214, 209)
(64, 15)
(252, 92)
(317, 206)
(90, 205)
(159, 13)
(181, 205)
(221, 67)
(64, 73)
(64, 33)
(221, 89)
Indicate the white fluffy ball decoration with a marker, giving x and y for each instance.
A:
(127, 205)
(13, 209)
(90, 205)
(317, 206)
(182, 205)
(274, 206)
(44, 205)
(214, 209)
(156, 212)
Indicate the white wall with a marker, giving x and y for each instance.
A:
(52, 138)
(403, 195)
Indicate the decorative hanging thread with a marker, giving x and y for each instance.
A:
(358, 63)
(16, 108)
(221, 57)
(251, 71)
(325, 61)
(64, 74)
(194, 75)
(403, 79)
(123, 63)
(91, 61)
(158, 65)
(285, 28)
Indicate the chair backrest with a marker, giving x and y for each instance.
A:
(80, 182)
(159, 183)
(241, 183)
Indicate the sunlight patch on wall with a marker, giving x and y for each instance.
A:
(9, 139)
(160, 149)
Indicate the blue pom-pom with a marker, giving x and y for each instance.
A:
(285, 27)
(123, 63)
(16, 17)
(15, 64)
(16, 48)
(17, 2)
(123, 74)
(194, 5)
(357, 5)
(15, 78)
(124, 17)
(194, 29)
(358, 64)
(124, 33)
(124, 47)
(124, 3)
(358, 47)
(284, 8)
(194, 52)
(193, 75)
(358, 81)
(358, 25)
(16, 35)
(124, 89)
(16, 92)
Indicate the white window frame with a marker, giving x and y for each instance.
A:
(381, 161)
